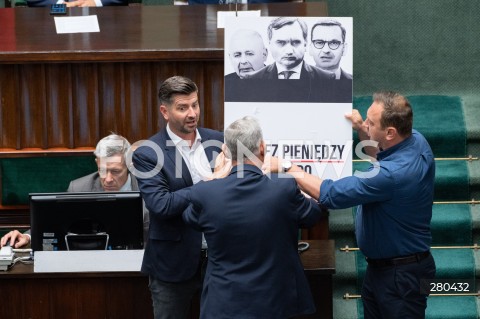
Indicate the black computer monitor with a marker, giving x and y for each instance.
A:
(86, 221)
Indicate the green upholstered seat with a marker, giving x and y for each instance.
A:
(21, 176)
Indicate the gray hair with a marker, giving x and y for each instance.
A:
(246, 134)
(112, 145)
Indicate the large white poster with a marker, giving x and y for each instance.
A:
(294, 74)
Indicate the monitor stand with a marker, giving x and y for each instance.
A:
(97, 241)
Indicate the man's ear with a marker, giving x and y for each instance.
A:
(262, 149)
(164, 111)
(226, 151)
(391, 133)
(265, 55)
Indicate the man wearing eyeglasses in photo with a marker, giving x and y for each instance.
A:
(328, 46)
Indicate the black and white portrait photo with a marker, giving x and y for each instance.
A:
(289, 59)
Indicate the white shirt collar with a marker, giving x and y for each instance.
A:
(178, 141)
(338, 73)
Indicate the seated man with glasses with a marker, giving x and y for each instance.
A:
(328, 46)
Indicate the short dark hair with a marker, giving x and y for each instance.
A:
(278, 23)
(329, 23)
(397, 112)
(175, 85)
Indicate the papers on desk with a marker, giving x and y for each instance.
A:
(222, 15)
(78, 24)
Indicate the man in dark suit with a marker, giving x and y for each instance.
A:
(250, 221)
(112, 176)
(288, 43)
(78, 3)
(166, 165)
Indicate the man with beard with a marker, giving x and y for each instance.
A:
(166, 165)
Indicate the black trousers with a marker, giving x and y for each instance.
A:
(393, 292)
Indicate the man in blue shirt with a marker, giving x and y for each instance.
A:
(395, 200)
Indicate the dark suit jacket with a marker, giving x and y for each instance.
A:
(314, 85)
(173, 249)
(233, 87)
(270, 72)
(251, 227)
(45, 3)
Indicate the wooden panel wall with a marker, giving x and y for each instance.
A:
(72, 105)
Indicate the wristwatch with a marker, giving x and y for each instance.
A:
(286, 165)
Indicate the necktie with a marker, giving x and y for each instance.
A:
(286, 74)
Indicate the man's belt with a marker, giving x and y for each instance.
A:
(398, 260)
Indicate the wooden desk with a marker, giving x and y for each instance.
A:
(125, 295)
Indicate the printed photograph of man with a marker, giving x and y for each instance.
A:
(247, 53)
(287, 42)
(287, 45)
(328, 46)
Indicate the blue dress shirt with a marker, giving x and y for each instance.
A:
(395, 202)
